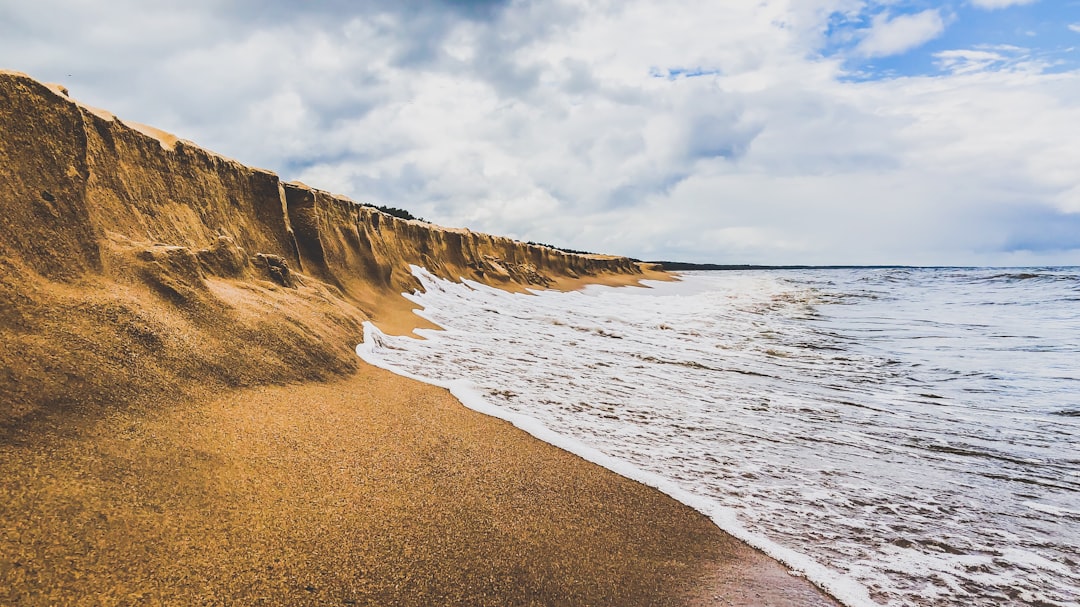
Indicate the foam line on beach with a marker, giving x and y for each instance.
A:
(845, 590)
(859, 440)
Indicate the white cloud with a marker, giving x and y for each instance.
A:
(545, 120)
(996, 4)
(963, 61)
(1075, 27)
(893, 36)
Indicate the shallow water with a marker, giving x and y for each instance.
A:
(902, 436)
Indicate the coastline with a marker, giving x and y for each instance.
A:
(748, 575)
(816, 581)
(184, 419)
(372, 489)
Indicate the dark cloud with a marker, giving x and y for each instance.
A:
(419, 27)
(634, 193)
(723, 136)
(476, 9)
(277, 11)
(496, 59)
(579, 78)
(1041, 230)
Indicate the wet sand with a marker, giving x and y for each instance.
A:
(371, 490)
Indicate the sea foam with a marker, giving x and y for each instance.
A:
(822, 418)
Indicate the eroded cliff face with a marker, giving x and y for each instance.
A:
(133, 263)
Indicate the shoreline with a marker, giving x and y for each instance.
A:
(794, 564)
(372, 489)
(398, 315)
(185, 419)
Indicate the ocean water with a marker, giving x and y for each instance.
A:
(899, 436)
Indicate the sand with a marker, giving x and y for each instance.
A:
(184, 422)
(371, 490)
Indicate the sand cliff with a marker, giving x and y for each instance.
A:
(132, 259)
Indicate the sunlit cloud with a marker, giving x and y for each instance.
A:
(889, 35)
(996, 4)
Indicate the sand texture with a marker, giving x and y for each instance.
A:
(179, 267)
(370, 490)
(184, 421)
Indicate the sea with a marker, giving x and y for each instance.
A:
(899, 436)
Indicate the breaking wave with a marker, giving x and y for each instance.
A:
(903, 437)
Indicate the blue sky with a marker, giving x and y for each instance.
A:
(746, 131)
(1033, 31)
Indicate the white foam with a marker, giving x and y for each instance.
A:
(844, 589)
(717, 391)
(1048, 509)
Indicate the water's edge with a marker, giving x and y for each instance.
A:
(846, 590)
(900, 437)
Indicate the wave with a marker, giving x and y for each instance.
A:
(840, 586)
(888, 439)
(1030, 276)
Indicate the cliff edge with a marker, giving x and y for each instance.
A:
(132, 261)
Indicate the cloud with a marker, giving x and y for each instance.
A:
(547, 121)
(996, 4)
(893, 36)
(963, 61)
(1075, 27)
(1042, 230)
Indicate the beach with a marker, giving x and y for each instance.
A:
(369, 490)
(184, 418)
(899, 436)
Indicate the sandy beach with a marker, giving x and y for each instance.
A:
(371, 490)
(184, 420)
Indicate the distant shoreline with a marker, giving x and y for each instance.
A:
(675, 266)
(682, 266)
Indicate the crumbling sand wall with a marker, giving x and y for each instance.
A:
(131, 261)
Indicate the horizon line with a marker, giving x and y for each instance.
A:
(684, 265)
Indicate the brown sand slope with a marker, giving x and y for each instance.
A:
(126, 264)
(372, 490)
(183, 419)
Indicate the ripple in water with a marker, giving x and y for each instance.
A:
(911, 433)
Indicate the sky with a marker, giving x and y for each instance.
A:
(921, 132)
